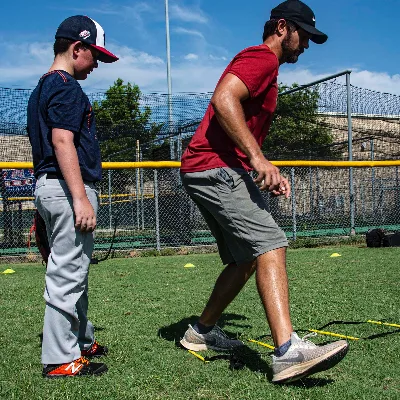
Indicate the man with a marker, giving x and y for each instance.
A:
(214, 171)
(66, 158)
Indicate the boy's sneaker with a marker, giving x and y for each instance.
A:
(305, 358)
(79, 367)
(216, 339)
(97, 350)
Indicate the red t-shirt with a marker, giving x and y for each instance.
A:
(210, 147)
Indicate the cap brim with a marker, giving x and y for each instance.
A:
(104, 55)
(317, 36)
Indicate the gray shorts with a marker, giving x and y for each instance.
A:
(235, 212)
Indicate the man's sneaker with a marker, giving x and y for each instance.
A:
(79, 367)
(305, 358)
(97, 350)
(216, 339)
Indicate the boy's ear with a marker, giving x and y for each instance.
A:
(77, 47)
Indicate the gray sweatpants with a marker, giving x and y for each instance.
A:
(66, 329)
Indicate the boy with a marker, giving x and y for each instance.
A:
(66, 159)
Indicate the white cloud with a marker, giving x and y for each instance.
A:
(134, 11)
(187, 15)
(215, 58)
(191, 56)
(191, 32)
(129, 56)
(22, 65)
(186, 76)
(40, 51)
(373, 80)
(134, 15)
(378, 81)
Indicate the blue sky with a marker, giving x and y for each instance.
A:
(205, 35)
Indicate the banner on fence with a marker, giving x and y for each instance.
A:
(18, 182)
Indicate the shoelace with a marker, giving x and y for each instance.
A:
(220, 332)
(309, 335)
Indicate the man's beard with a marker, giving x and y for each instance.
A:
(289, 55)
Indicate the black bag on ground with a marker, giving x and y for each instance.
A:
(374, 237)
(391, 240)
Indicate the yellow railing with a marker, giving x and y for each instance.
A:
(177, 164)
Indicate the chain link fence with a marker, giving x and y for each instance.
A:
(149, 209)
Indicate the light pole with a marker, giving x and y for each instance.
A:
(168, 67)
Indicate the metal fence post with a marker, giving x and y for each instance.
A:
(137, 188)
(397, 192)
(350, 149)
(109, 198)
(310, 171)
(362, 201)
(142, 190)
(292, 184)
(373, 178)
(157, 211)
(7, 213)
(320, 204)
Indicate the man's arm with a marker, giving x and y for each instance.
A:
(227, 103)
(67, 158)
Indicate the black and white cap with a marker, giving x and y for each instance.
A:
(302, 15)
(88, 31)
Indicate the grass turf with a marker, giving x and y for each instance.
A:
(141, 306)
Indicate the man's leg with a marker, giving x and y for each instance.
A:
(229, 283)
(272, 285)
(205, 334)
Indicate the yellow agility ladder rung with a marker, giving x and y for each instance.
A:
(198, 356)
(383, 323)
(334, 334)
(262, 344)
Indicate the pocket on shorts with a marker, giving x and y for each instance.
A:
(224, 177)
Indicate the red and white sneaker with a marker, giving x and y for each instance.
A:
(79, 367)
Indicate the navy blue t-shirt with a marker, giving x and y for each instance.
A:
(62, 104)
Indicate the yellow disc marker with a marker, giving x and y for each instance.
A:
(336, 255)
(8, 271)
(189, 265)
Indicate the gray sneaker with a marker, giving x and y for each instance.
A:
(305, 358)
(216, 339)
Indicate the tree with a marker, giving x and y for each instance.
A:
(121, 120)
(297, 130)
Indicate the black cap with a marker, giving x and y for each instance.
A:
(88, 31)
(301, 15)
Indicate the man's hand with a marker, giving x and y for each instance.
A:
(85, 217)
(282, 189)
(268, 175)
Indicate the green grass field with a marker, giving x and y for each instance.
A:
(141, 306)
